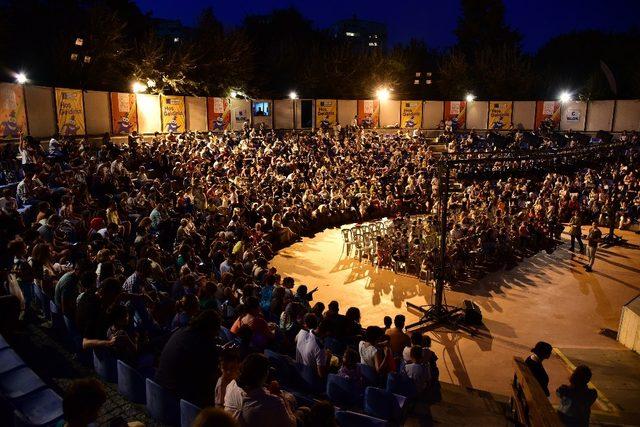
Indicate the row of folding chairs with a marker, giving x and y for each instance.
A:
(23, 392)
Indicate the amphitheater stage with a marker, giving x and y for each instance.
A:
(546, 297)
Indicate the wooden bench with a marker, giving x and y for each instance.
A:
(529, 405)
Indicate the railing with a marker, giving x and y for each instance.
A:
(529, 405)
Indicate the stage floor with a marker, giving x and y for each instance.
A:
(546, 297)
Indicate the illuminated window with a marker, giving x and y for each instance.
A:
(373, 44)
(350, 34)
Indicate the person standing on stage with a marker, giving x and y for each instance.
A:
(594, 238)
(576, 231)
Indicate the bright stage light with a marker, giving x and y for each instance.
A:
(470, 97)
(138, 87)
(565, 97)
(21, 78)
(234, 94)
(383, 94)
(293, 95)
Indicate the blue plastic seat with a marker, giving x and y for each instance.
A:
(162, 405)
(188, 413)
(131, 383)
(353, 419)
(57, 320)
(9, 360)
(41, 408)
(402, 385)
(369, 374)
(309, 379)
(344, 393)
(43, 301)
(105, 365)
(383, 404)
(19, 382)
(73, 336)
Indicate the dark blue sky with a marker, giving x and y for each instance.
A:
(431, 20)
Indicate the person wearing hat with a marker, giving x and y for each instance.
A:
(539, 353)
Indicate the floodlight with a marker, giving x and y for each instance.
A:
(470, 97)
(21, 78)
(383, 94)
(138, 87)
(565, 97)
(293, 95)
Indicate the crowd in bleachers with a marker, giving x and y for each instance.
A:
(155, 253)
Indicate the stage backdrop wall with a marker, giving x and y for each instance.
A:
(524, 113)
(600, 115)
(347, 109)
(97, 112)
(432, 113)
(477, 114)
(298, 106)
(240, 113)
(627, 115)
(389, 113)
(573, 115)
(283, 114)
(196, 113)
(148, 113)
(40, 110)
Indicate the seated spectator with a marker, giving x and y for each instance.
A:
(263, 332)
(417, 370)
(375, 351)
(126, 339)
(82, 402)
(229, 367)
(188, 364)
(251, 401)
(310, 349)
(214, 417)
(349, 369)
(397, 338)
(577, 398)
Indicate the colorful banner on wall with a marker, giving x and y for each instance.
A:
(326, 112)
(500, 115)
(368, 113)
(70, 110)
(411, 114)
(173, 113)
(124, 113)
(218, 114)
(13, 117)
(549, 112)
(456, 112)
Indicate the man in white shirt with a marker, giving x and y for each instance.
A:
(309, 347)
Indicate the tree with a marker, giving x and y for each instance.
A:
(482, 24)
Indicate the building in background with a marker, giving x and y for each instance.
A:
(366, 34)
(170, 29)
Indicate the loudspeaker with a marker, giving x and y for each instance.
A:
(472, 313)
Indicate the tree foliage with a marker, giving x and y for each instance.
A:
(270, 55)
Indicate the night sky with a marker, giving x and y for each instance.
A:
(430, 20)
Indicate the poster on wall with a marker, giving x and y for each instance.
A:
(124, 113)
(572, 115)
(500, 115)
(548, 112)
(326, 112)
(456, 113)
(70, 111)
(13, 117)
(218, 113)
(173, 113)
(411, 114)
(368, 113)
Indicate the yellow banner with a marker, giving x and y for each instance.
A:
(70, 110)
(326, 112)
(500, 115)
(13, 118)
(411, 114)
(173, 117)
(124, 114)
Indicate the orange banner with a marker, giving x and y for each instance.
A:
(218, 113)
(456, 112)
(124, 113)
(13, 118)
(549, 112)
(368, 113)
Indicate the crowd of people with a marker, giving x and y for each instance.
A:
(154, 244)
